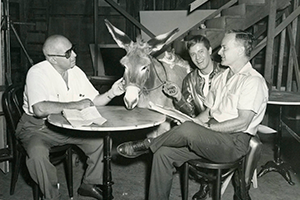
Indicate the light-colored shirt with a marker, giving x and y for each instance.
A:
(206, 83)
(44, 83)
(245, 90)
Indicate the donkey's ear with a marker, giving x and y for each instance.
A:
(119, 36)
(159, 41)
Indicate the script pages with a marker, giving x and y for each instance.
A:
(84, 117)
(173, 113)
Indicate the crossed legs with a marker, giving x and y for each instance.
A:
(185, 142)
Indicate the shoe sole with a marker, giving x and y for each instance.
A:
(131, 156)
(86, 194)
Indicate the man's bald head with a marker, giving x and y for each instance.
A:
(55, 44)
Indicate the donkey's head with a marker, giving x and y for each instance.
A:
(138, 62)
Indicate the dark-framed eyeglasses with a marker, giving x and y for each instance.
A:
(68, 53)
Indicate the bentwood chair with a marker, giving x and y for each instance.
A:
(220, 173)
(12, 101)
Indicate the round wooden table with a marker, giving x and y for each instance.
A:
(118, 119)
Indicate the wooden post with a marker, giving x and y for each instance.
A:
(281, 56)
(268, 73)
(292, 31)
(4, 166)
(95, 67)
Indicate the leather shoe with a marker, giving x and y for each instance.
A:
(202, 193)
(90, 191)
(134, 149)
(238, 197)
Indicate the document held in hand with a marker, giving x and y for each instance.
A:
(173, 113)
(84, 117)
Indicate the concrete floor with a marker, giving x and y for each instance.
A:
(130, 180)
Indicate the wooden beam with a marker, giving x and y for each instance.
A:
(130, 18)
(278, 29)
(194, 5)
(287, 21)
(214, 14)
(293, 58)
(294, 53)
(96, 52)
(270, 43)
(281, 56)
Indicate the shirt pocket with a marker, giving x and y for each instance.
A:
(229, 103)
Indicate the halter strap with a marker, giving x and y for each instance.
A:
(159, 78)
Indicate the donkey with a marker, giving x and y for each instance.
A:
(144, 76)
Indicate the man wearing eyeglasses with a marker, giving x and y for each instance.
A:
(51, 86)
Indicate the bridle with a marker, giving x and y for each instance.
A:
(146, 90)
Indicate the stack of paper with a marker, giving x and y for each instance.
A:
(84, 117)
(173, 113)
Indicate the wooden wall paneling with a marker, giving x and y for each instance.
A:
(78, 27)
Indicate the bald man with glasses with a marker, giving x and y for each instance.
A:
(51, 86)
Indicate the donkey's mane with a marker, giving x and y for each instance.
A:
(141, 43)
(140, 47)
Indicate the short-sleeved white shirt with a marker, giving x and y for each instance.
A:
(245, 90)
(44, 83)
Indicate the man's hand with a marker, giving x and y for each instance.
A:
(200, 122)
(117, 88)
(84, 103)
(172, 90)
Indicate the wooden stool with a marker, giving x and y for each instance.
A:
(245, 168)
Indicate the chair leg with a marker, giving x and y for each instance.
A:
(254, 179)
(185, 181)
(218, 185)
(16, 165)
(36, 191)
(241, 191)
(244, 189)
(69, 172)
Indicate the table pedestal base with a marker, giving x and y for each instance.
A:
(280, 167)
(107, 178)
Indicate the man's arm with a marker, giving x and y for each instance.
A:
(45, 108)
(116, 90)
(240, 123)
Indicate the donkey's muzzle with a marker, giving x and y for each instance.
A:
(131, 97)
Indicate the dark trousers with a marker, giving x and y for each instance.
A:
(190, 141)
(37, 139)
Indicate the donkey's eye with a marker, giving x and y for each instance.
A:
(144, 68)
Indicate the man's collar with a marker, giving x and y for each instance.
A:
(246, 68)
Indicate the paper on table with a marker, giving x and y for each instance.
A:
(83, 117)
(170, 112)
